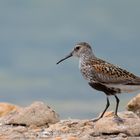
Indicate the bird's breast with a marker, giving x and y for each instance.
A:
(87, 72)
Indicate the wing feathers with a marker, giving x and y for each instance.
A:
(105, 72)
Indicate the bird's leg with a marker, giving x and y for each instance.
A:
(117, 104)
(116, 117)
(107, 105)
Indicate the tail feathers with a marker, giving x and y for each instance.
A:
(134, 81)
(126, 88)
(130, 88)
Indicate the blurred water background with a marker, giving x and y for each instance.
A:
(35, 34)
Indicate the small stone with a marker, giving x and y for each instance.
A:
(122, 135)
(134, 105)
(72, 138)
(58, 138)
(109, 114)
(6, 108)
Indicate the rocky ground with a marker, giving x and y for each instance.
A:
(39, 122)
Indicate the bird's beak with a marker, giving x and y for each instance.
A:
(70, 55)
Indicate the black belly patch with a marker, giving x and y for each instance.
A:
(105, 89)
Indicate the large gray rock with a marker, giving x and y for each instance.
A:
(134, 105)
(129, 124)
(37, 114)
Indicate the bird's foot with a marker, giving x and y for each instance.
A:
(117, 119)
(96, 119)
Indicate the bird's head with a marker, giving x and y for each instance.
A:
(81, 49)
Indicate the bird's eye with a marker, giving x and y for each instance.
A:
(77, 48)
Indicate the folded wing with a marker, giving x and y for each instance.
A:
(107, 73)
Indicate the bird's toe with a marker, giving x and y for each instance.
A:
(117, 119)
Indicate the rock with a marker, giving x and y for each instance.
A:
(106, 128)
(30, 123)
(37, 114)
(110, 125)
(134, 105)
(6, 108)
(12, 133)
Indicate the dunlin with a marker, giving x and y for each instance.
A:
(103, 76)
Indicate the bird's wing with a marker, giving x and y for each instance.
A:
(105, 72)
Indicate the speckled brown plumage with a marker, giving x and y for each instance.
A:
(104, 72)
(103, 76)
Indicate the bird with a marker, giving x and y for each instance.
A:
(103, 76)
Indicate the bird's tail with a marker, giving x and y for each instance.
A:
(126, 88)
(130, 88)
(137, 81)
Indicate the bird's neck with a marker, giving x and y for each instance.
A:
(87, 56)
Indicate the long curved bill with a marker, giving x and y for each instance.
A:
(70, 55)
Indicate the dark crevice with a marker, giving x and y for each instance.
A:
(15, 124)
